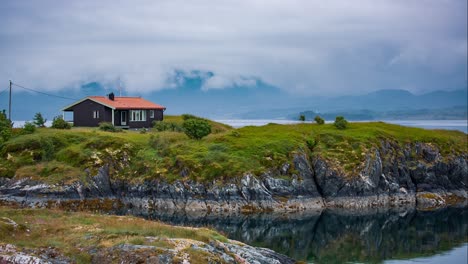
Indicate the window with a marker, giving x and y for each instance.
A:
(95, 114)
(151, 113)
(137, 115)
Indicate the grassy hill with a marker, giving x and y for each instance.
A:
(58, 156)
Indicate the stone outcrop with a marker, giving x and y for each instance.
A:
(391, 175)
(214, 252)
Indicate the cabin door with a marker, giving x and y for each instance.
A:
(123, 118)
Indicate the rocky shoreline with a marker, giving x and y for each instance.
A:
(416, 175)
(229, 252)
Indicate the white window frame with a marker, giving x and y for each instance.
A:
(96, 114)
(151, 113)
(138, 115)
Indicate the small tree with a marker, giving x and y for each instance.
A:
(59, 123)
(340, 122)
(39, 120)
(319, 120)
(5, 127)
(28, 128)
(196, 128)
(302, 118)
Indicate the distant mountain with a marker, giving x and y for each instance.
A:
(262, 101)
(452, 113)
(396, 100)
(390, 104)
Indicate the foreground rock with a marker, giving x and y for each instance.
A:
(232, 252)
(87, 238)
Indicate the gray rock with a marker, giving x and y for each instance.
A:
(390, 175)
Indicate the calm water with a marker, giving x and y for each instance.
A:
(460, 125)
(404, 236)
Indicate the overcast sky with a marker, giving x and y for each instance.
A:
(326, 47)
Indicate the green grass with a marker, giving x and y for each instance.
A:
(215, 126)
(226, 154)
(73, 233)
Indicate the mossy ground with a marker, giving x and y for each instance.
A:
(226, 153)
(74, 233)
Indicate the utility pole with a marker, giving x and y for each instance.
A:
(9, 104)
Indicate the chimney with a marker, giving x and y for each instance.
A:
(111, 96)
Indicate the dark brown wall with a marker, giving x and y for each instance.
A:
(83, 114)
(158, 115)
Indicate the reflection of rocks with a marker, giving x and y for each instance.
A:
(337, 236)
(341, 238)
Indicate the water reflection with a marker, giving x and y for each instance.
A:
(338, 236)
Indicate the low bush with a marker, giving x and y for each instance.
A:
(28, 128)
(109, 127)
(159, 143)
(319, 120)
(196, 128)
(167, 126)
(340, 122)
(189, 116)
(59, 123)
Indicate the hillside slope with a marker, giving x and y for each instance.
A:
(274, 167)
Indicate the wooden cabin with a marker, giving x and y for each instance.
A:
(124, 112)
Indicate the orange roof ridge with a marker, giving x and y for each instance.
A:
(126, 102)
(102, 96)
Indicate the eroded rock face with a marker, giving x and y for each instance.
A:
(391, 175)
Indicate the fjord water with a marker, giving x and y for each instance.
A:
(461, 125)
(337, 236)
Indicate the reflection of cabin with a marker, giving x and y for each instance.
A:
(125, 112)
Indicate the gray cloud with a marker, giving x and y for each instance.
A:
(305, 47)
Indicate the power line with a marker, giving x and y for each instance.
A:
(3, 91)
(53, 95)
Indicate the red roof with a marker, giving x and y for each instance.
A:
(126, 102)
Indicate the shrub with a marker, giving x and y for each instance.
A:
(107, 126)
(39, 120)
(319, 120)
(311, 143)
(59, 123)
(235, 133)
(186, 117)
(5, 127)
(167, 126)
(302, 118)
(196, 128)
(159, 143)
(28, 128)
(340, 122)
(47, 149)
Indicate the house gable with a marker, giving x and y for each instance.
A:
(70, 107)
(90, 113)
